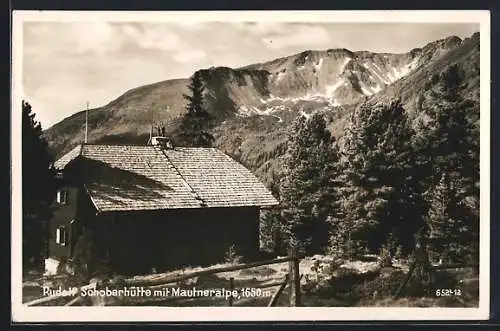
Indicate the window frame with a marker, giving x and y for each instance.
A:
(62, 197)
(61, 236)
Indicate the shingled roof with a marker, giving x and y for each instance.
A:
(120, 178)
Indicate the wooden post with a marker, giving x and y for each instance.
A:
(274, 299)
(231, 288)
(293, 266)
(405, 281)
(73, 302)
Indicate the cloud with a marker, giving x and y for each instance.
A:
(301, 35)
(191, 26)
(66, 64)
(71, 38)
(150, 36)
(97, 37)
(261, 28)
(76, 38)
(189, 55)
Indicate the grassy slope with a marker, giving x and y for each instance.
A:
(354, 284)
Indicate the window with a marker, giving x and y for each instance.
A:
(62, 197)
(61, 236)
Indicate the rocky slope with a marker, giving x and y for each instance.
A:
(260, 141)
(255, 104)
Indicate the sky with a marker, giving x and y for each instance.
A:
(66, 64)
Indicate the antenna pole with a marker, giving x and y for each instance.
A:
(86, 121)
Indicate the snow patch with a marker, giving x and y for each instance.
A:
(401, 72)
(366, 91)
(280, 120)
(303, 113)
(388, 74)
(377, 88)
(346, 61)
(280, 76)
(270, 109)
(413, 64)
(252, 110)
(330, 89)
(398, 73)
(405, 70)
(319, 65)
(376, 66)
(384, 80)
(244, 110)
(392, 78)
(307, 97)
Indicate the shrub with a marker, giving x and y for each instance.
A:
(270, 231)
(385, 259)
(61, 267)
(83, 254)
(385, 284)
(102, 269)
(398, 255)
(231, 256)
(352, 286)
(344, 284)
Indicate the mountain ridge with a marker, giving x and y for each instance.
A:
(259, 100)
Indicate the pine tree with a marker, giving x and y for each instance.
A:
(449, 151)
(270, 222)
(449, 140)
(445, 223)
(38, 186)
(307, 191)
(194, 129)
(379, 195)
(270, 231)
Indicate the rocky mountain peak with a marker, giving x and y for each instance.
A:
(275, 90)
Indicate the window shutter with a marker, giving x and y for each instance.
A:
(58, 236)
(59, 196)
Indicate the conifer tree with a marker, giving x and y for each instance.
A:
(307, 191)
(270, 223)
(379, 195)
(449, 152)
(38, 186)
(194, 129)
(445, 223)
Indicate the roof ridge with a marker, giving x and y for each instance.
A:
(195, 194)
(69, 156)
(120, 145)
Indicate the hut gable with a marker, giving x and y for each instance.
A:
(127, 178)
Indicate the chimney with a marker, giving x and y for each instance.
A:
(160, 137)
(163, 142)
